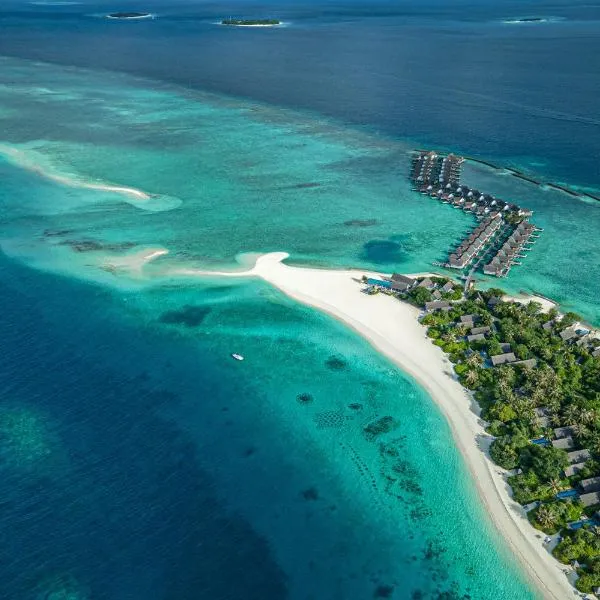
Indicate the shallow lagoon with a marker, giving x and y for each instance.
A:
(229, 176)
(150, 446)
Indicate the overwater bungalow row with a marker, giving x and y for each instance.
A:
(451, 167)
(430, 167)
(426, 167)
(477, 240)
(470, 200)
(438, 176)
(504, 258)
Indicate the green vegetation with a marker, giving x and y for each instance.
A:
(558, 386)
(420, 296)
(582, 546)
(551, 517)
(250, 22)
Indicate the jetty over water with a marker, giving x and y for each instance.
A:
(503, 234)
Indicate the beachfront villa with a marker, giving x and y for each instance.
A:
(402, 283)
(438, 305)
(503, 359)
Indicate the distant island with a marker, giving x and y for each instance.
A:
(128, 15)
(527, 20)
(251, 22)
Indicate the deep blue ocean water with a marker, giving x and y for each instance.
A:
(449, 74)
(137, 461)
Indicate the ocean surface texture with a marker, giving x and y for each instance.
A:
(137, 460)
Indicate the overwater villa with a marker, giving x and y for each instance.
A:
(504, 228)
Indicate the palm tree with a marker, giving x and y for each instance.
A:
(460, 330)
(595, 529)
(588, 416)
(555, 485)
(449, 337)
(571, 414)
(594, 442)
(474, 360)
(545, 516)
(471, 378)
(580, 429)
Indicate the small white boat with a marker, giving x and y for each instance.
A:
(237, 356)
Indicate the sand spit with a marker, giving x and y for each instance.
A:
(392, 328)
(26, 159)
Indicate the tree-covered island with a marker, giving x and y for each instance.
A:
(536, 377)
(250, 22)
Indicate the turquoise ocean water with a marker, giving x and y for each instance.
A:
(138, 460)
(128, 409)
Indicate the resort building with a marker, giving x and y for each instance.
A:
(590, 499)
(469, 319)
(568, 334)
(503, 359)
(542, 415)
(438, 305)
(565, 443)
(401, 283)
(578, 456)
(438, 176)
(590, 485)
(477, 337)
(563, 432)
(507, 254)
(427, 284)
(474, 243)
(530, 363)
(574, 469)
(478, 330)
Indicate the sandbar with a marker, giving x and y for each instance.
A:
(24, 160)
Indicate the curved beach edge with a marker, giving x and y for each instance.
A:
(392, 328)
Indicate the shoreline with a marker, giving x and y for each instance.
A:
(394, 330)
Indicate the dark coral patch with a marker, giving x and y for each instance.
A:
(310, 494)
(190, 316)
(336, 363)
(380, 426)
(304, 398)
(383, 591)
(361, 222)
(95, 246)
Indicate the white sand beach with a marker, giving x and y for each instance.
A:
(392, 328)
